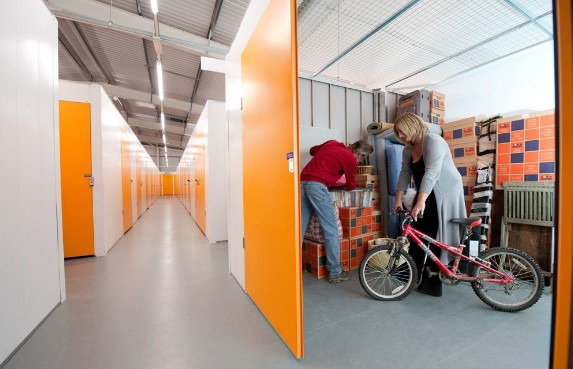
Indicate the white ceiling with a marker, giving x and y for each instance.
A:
(397, 45)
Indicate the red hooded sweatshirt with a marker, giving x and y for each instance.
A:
(329, 162)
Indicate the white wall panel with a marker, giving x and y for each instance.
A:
(353, 116)
(30, 251)
(111, 126)
(338, 110)
(320, 105)
(235, 134)
(366, 112)
(215, 174)
(304, 102)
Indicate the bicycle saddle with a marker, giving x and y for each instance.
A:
(471, 221)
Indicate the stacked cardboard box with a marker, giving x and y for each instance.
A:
(370, 182)
(314, 257)
(462, 137)
(437, 107)
(357, 227)
(526, 148)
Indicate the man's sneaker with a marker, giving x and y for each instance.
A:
(344, 276)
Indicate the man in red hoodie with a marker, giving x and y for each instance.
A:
(329, 162)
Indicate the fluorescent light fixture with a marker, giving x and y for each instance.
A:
(162, 121)
(164, 139)
(154, 7)
(160, 79)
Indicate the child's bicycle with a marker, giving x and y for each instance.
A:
(504, 278)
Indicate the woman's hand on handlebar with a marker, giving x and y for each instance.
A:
(418, 210)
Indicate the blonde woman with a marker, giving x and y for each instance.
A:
(427, 159)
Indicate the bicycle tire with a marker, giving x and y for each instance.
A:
(513, 297)
(387, 282)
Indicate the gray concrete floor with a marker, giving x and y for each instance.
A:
(163, 298)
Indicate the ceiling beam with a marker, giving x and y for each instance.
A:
(98, 14)
(169, 128)
(146, 97)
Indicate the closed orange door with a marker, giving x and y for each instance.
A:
(76, 171)
(199, 169)
(126, 182)
(270, 172)
(138, 186)
(167, 184)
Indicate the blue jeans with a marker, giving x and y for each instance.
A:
(315, 197)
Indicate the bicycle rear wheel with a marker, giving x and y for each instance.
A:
(521, 294)
(385, 276)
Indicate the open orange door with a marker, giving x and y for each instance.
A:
(126, 183)
(270, 172)
(76, 176)
(562, 324)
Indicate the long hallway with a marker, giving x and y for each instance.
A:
(163, 298)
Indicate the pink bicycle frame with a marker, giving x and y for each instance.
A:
(417, 236)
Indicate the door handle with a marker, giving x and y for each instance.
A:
(88, 175)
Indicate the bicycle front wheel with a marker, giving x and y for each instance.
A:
(386, 276)
(518, 295)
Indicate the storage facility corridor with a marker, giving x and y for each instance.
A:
(163, 298)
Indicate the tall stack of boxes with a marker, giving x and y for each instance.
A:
(428, 105)
(360, 224)
(462, 138)
(526, 148)
(437, 107)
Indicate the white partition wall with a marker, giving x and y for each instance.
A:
(235, 137)
(106, 127)
(31, 255)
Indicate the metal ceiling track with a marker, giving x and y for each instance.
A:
(472, 48)
(367, 36)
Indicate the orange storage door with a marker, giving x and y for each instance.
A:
(167, 184)
(270, 172)
(139, 185)
(126, 183)
(199, 170)
(76, 170)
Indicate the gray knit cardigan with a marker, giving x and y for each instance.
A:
(442, 177)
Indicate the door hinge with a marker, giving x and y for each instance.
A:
(243, 242)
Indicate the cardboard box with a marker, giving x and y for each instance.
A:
(354, 212)
(437, 116)
(469, 183)
(376, 221)
(355, 221)
(525, 148)
(314, 257)
(437, 100)
(366, 177)
(464, 150)
(461, 131)
(358, 246)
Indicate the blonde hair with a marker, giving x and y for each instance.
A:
(411, 124)
(361, 147)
